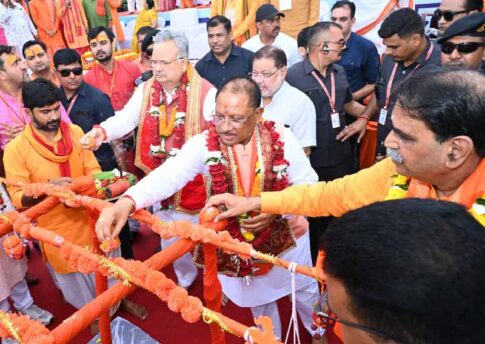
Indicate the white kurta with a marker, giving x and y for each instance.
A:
(283, 41)
(127, 119)
(177, 171)
(292, 107)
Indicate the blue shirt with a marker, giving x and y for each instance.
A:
(238, 63)
(91, 107)
(360, 61)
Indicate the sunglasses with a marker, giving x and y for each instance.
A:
(66, 72)
(463, 48)
(447, 15)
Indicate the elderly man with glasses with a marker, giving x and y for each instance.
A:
(242, 154)
(463, 43)
(168, 110)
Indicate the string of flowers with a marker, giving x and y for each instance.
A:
(23, 329)
(219, 168)
(167, 126)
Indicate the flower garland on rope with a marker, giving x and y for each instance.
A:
(169, 125)
(23, 329)
(400, 185)
(219, 167)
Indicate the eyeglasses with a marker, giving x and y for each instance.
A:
(463, 48)
(341, 42)
(66, 72)
(264, 75)
(164, 63)
(235, 123)
(447, 15)
(322, 310)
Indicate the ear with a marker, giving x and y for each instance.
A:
(353, 21)
(459, 150)
(230, 36)
(284, 70)
(259, 25)
(258, 114)
(29, 113)
(416, 39)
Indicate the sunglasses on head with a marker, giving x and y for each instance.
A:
(66, 72)
(447, 15)
(463, 48)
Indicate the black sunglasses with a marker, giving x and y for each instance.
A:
(448, 15)
(66, 72)
(463, 48)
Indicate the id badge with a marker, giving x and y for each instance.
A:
(335, 117)
(383, 116)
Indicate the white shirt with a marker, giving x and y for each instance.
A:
(170, 177)
(292, 107)
(127, 119)
(282, 41)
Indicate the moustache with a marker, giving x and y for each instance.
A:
(394, 155)
(276, 29)
(54, 122)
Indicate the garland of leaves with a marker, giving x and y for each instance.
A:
(218, 165)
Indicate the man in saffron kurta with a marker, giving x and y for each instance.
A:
(74, 24)
(48, 25)
(438, 152)
(168, 109)
(48, 150)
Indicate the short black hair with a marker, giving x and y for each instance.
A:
(318, 29)
(39, 93)
(94, 32)
(217, 20)
(450, 104)
(413, 269)
(404, 22)
(242, 84)
(345, 3)
(31, 43)
(148, 40)
(144, 30)
(66, 56)
(474, 5)
(150, 4)
(302, 39)
(5, 49)
(271, 52)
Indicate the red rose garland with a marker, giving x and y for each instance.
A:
(220, 184)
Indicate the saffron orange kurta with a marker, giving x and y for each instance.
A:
(27, 160)
(113, 6)
(48, 26)
(74, 23)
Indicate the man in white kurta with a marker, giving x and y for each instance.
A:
(268, 24)
(170, 66)
(261, 293)
(282, 102)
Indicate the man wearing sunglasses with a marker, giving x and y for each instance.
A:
(463, 43)
(452, 10)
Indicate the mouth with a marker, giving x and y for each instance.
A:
(395, 156)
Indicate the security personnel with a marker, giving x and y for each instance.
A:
(463, 43)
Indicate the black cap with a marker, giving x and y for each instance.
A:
(148, 40)
(471, 25)
(267, 11)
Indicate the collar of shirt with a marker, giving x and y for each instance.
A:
(235, 51)
(81, 91)
(422, 58)
(308, 68)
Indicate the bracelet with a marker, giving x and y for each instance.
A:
(103, 130)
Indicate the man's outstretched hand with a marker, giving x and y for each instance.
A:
(93, 139)
(235, 205)
(112, 219)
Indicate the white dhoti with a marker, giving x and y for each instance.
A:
(184, 266)
(263, 291)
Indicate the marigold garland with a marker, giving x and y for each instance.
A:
(23, 329)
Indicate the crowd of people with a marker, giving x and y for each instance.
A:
(270, 132)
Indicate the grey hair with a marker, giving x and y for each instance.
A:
(177, 37)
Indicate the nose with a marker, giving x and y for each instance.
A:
(455, 55)
(390, 141)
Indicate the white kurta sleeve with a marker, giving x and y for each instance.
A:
(125, 120)
(299, 170)
(305, 125)
(172, 175)
(209, 104)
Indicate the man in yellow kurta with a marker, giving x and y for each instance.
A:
(48, 150)
(436, 149)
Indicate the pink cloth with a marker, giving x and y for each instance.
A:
(13, 113)
(3, 39)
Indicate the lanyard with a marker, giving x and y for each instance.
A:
(19, 117)
(109, 91)
(331, 97)
(393, 74)
(71, 104)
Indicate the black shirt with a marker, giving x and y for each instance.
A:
(328, 152)
(426, 63)
(91, 107)
(238, 63)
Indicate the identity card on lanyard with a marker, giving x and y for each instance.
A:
(334, 116)
(383, 112)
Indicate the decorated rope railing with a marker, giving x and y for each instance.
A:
(189, 232)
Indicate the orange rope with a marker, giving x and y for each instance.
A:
(388, 9)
